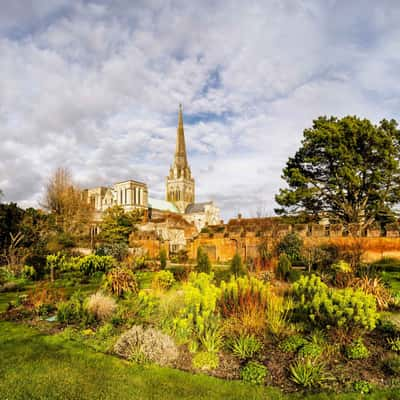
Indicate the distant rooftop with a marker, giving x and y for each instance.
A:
(197, 207)
(162, 205)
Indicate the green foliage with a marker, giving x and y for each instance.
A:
(92, 263)
(342, 267)
(205, 361)
(357, 350)
(338, 156)
(292, 343)
(363, 387)
(198, 312)
(324, 307)
(163, 258)
(284, 267)
(117, 225)
(117, 250)
(29, 272)
(392, 363)
(277, 313)
(245, 346)
(236, 267)
(203, 262)
(121, 281)
(308, 372)
(71, 311)
(394, 344)
(310, 350)
(211, 339)
(291, 245)
(163, 280)
(254, 372)
(181, 272)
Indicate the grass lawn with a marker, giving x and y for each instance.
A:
(37, 366)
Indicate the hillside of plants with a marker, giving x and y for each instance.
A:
(309, 322)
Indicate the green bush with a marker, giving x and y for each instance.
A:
(71, 311)
(181, 272)
(92, 263)
(245, 346)
(325, 307)
(254, 372)
(163, 259)
(362, 387)
(29, 272)
(205, 361)
(307, 372)
(163, 280)
(291, 245)
(284, 267)
(292, 343)
(357, 350)
(310, 350)
(116, 250)
(236, 267)
(394, 344)
(203, 262)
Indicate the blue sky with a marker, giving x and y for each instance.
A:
(95, 86)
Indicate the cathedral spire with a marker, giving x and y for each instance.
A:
(180, 152)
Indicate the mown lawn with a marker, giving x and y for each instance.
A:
(37, 366)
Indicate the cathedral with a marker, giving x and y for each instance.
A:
(179, 194)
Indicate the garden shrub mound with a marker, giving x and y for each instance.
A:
(101, 306)
(141, 344)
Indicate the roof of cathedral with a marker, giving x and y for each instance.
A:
(197, 207)
(162, 205)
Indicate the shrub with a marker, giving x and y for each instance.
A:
(292, 343)
(163, 259)
(307, 372)
(71, 311)
(284, 267)
(343, 308)
(291, 245)
(357, 350)
(180, 272)
(277, 311)
(394, 344)
(121, 281)
(28, 272)
(362, 387)
(211, 339)
(205, 361)
(254, 372)
(236, 267)
(163, 280)
(245, 346)
(140, 344)
(392, 363)
(310, 350)
(199, 306)
(101, 306)
(43, 299)
(375, 287)
(92, 263)
(203, 262)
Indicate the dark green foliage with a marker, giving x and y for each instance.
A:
(357, 350)
(308, 372)
(291, 245)
(236, 267)
(245, 346)
(181, 272)
(118, 250)
(71, 311)
(284, 267)
(254, 372)
(203, 262)
(392, 363)
(310, 350)
(345, 168)
(293, 343)
(163, 259)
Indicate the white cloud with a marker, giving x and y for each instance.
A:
(95, 86)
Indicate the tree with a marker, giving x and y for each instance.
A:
(346, 169)
(163, 258)
(117, 224)
(66, 202)
(236, 267)
(203, 262)
(291, 245)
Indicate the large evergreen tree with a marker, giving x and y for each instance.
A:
(347, 169)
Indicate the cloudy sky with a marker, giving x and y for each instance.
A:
(95, 86)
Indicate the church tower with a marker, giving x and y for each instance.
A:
(180, 184)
